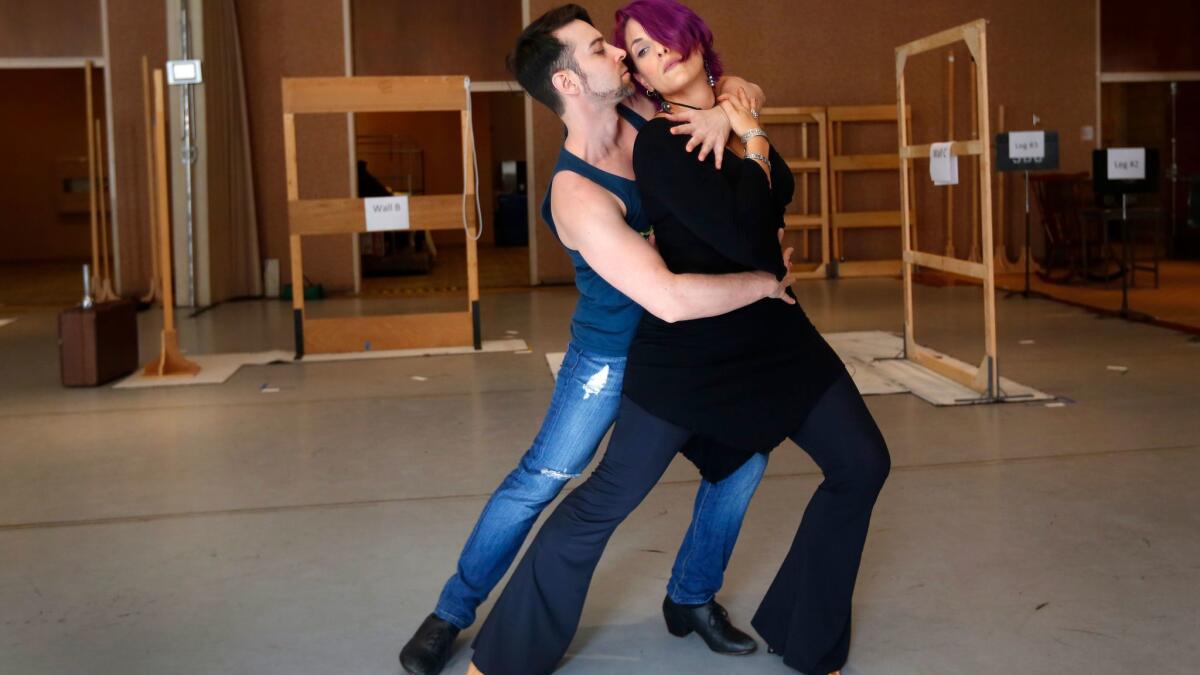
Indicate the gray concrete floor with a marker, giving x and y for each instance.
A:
(218, 529)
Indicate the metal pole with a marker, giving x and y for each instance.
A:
(1028, 248)
(1125, 245)
(87, 288)
(188, 155)
(1174, 162)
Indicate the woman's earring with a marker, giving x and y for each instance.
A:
(662, 102)
(712, 82)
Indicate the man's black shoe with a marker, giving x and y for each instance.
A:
(429, 648)
(711, 622)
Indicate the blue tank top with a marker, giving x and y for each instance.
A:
(605, 319)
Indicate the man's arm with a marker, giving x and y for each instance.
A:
(589, 220)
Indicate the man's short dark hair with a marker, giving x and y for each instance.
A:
(539, 54)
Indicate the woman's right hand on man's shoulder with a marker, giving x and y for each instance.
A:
(739, 108)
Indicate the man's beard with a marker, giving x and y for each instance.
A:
(618, 93)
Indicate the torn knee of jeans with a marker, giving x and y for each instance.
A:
(557, 475)
(595, 383)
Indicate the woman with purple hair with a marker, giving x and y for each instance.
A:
(718, 389)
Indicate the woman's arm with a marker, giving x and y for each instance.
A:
(738, 108)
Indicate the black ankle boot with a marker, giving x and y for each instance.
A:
(711, 622)
(429, 648)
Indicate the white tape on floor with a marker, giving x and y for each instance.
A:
(214, 369)
(489, 346)
(873, 359)
(554, 360)
(217, 368)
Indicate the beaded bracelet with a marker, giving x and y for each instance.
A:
(761, 158)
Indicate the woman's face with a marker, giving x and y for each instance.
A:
(658, 66)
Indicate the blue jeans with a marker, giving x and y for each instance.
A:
(586, 397)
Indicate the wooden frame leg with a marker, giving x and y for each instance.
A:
(154, 293)
(170, 360)
(103, 293)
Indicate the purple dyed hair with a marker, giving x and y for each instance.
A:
(671, 24)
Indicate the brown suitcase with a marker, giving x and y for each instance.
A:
(99, 344)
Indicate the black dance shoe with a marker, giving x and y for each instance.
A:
(429, 648)
(711, 622)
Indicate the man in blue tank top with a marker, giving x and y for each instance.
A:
(593, 208)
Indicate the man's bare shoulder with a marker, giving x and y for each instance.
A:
(573, 194)
(579, 207)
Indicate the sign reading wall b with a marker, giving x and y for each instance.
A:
(317, 95)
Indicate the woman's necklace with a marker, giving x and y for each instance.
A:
(665, 106)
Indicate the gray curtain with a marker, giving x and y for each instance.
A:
(234, 262)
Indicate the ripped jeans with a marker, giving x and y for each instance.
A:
(586, 397)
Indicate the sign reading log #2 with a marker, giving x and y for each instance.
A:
(386, 213)
(1127, 164)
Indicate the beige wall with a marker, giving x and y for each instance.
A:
(50, 28)
(279, 39)
(42, 125)
(136, 28)
(1042, 59)
(446, 37)
(42, 120)
(1147, 36)
(803, 53)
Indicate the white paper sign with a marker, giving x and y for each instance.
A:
(943, 164)
(1127, 164)
(1026, 144)
(386, 213)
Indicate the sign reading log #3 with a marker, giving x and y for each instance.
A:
(1026, 144)
(1127, 164)
(386, 213)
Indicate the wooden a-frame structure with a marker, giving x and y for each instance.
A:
(985, 377)
(316, 95)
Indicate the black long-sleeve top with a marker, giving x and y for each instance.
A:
(742, 381)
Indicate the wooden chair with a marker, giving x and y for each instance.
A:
(1073, 242)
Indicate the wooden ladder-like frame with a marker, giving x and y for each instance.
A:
(840, 164)
(317, 95)
(985, 378)
(803, 165)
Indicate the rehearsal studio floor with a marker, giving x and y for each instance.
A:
(234, 529)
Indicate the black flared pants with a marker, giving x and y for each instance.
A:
(805, 615)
